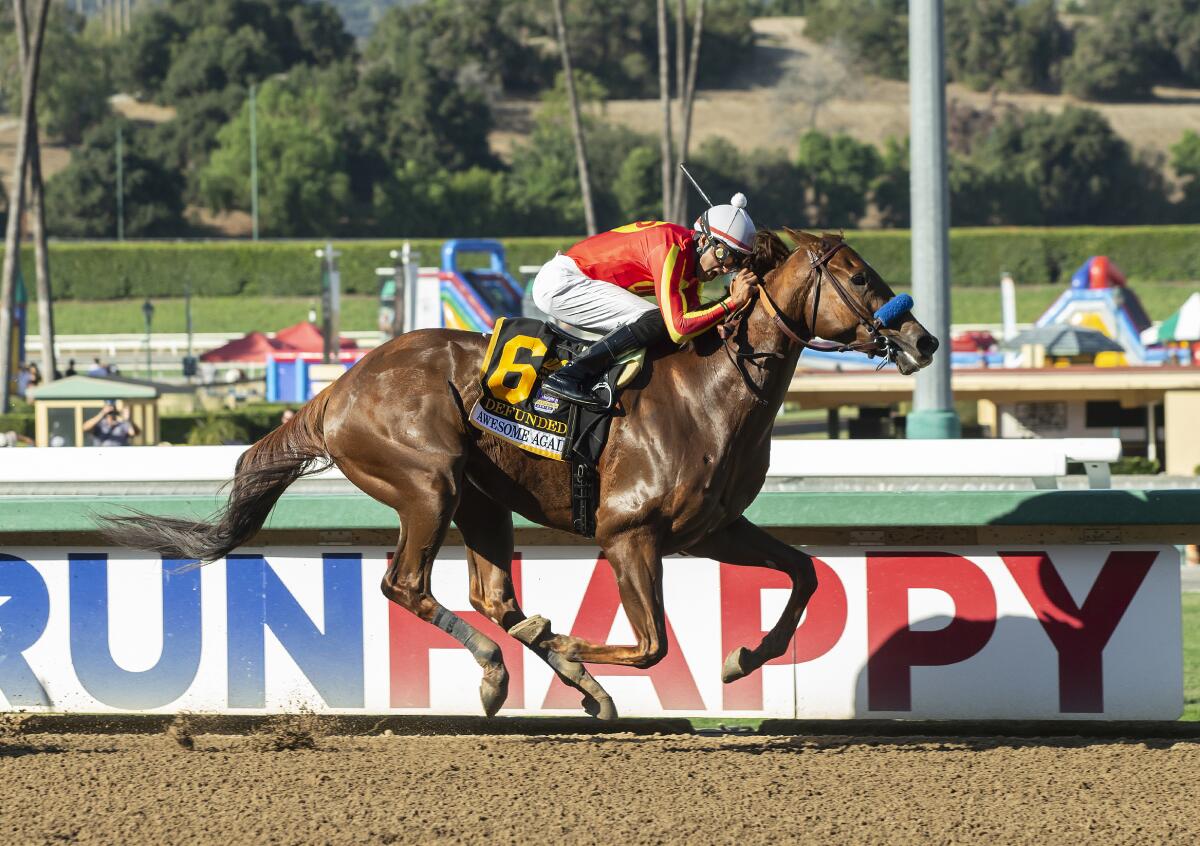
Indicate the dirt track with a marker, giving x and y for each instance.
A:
(576, 789)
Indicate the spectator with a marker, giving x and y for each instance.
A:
(22, 380)
(71, 367)
(112, 426)
(287, 415)
(34, 379)
(97, 369)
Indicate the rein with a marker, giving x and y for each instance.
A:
(879, 344)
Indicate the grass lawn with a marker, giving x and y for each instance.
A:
(242, 314)
(1191, 656)
(982, 305)
(209, 314)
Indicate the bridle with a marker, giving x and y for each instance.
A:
(878, 345)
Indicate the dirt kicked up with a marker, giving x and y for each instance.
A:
(293, 786)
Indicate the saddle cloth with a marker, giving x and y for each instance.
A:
(521, 352)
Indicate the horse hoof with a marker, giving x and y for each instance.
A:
(737, 665)
(601, 709)
(531, 630)
(493, 692)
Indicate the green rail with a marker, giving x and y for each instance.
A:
(845, 510)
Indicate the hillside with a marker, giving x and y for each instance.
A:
(765, 103)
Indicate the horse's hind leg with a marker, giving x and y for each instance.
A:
(487, 530)
(426, 500)
(746, 544)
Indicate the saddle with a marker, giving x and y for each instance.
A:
(522, 351)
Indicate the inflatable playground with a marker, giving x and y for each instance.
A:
(1099, 299)
(470, 296)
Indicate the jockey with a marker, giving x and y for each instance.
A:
(599, 285)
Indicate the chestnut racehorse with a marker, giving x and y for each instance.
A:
(686, 457)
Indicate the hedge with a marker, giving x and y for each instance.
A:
(103, 270)
(257, 420)
(109, 270)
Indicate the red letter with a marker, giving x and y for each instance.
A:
(894, 648)
(741, 618)
(411, 639)
(671, 677)
(1079, 634)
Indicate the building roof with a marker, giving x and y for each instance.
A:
(94, 387)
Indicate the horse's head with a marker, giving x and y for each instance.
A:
(824, 289)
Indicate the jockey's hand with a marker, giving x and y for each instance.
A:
(742, 288)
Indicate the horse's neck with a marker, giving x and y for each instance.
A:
(747, 393)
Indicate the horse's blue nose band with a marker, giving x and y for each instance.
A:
(894, 309)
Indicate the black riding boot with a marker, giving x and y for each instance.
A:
(577, 381)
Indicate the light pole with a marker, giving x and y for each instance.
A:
(148, 312)
(120, 185)
(933, 414)
(253, 164)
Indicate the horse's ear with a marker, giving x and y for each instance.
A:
(798, 236)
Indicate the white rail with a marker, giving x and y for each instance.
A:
(1041, 460)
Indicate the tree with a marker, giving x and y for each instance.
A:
(81, 200)
(634, 188)
(664, 99)
(1000, 43)
(30, 67)
(1185, 159)
(75, 80)
(1064, 169)
(1134, 45)
(876, 31)
(581, 159)
(891, 185)
(304, 188)
(837, 172)
(415, 102)
(202, 55)
(688, 97)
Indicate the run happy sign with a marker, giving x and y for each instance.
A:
(1057, 632)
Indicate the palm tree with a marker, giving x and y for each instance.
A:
(16, 197)
(688, 97)
(664, 97)
(581, 159)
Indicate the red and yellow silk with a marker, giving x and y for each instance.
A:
(653, 257)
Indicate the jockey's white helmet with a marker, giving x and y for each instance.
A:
(729, 224)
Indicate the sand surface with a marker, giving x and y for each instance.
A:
(82, 788)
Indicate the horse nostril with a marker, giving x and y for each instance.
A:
(927, 345)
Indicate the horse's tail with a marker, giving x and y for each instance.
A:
(295, 449)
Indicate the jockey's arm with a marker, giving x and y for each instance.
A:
(678, 293)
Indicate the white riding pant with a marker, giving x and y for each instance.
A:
(562, 291)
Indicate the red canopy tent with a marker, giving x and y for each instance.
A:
(253, 347)
(306, 337)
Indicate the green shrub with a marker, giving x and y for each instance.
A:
(215, 430)
(246, 425)
(1136, 465)
(94, 270)
(20, 422)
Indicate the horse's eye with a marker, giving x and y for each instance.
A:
(859, 279)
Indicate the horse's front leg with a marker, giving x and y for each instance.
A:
(636, 560)
(746, 544)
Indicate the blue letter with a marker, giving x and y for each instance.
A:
(332, 661)
(168, 679)
(24, 610)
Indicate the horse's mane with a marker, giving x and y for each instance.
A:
(769, 251)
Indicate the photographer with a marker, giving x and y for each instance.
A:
(112, 426)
